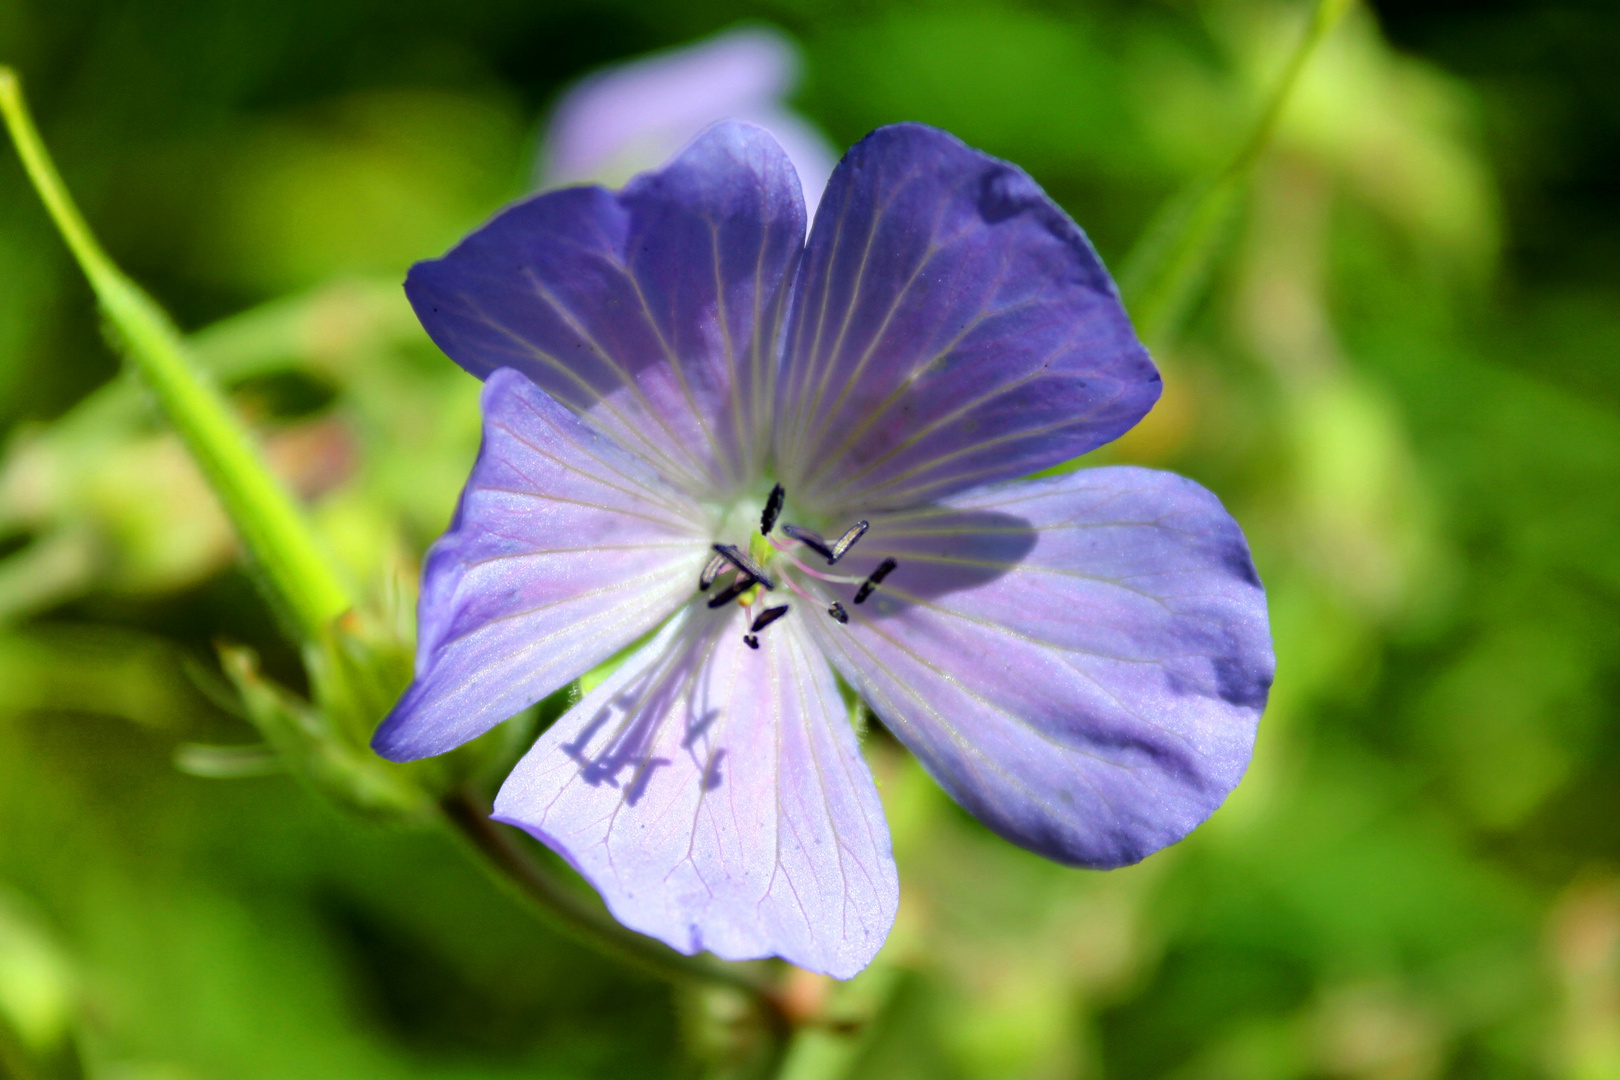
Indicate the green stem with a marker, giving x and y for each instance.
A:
(1323, 19)
(1169, 265)
(568, 912)
(292, 569)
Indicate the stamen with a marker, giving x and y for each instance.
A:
(798, 590)
(773, 508)
(710, 572)
(839, 615)
(732, 591)
(874, 579)
(751, 641)
(768, 616)
(847, 541)
(745, 564)
(809, 540)
(820, 575)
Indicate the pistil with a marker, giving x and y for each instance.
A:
(752, 579)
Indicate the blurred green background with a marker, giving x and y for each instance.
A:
(1403, 378)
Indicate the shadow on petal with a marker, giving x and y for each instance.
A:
(937, 550)
(715, 795)
(625, 728)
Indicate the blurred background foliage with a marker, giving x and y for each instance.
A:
(1403, 377)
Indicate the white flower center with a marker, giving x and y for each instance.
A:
(776, 555)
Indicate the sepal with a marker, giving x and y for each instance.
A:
(355, 672)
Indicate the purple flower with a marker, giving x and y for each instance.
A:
(623, 119)
(754, 463)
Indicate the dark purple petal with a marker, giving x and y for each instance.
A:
(564, 550)
(654, 311)
(716, 798)
(950, 327)
(1080, 661)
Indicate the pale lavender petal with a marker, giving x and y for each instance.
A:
(634, 116)
(716, 798)
(563, 550)
(654, 311)
(950, 327)
(1081, 661)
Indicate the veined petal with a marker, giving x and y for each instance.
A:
(653, 311)
(716, 798)
(563, 550)
(1080, 661)
(950, 327)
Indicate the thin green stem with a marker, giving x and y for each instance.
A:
(292, 569)
(1323, 19)
(1166, 270)
(570, 914)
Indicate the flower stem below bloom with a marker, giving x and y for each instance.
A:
(292, 569)
(571, 914)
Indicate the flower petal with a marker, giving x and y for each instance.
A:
(1081, 661)
(950, 327)
(622, 119)
(716, 798)
(653, 311)
(563, 550)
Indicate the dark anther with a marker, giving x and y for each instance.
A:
(847, 541)
(874, 579)
(773, 507)
(710, 572)
(742, 562)
(751, 641)
(732, 591)
(809, 540)
(838, 613)
(768, 616)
